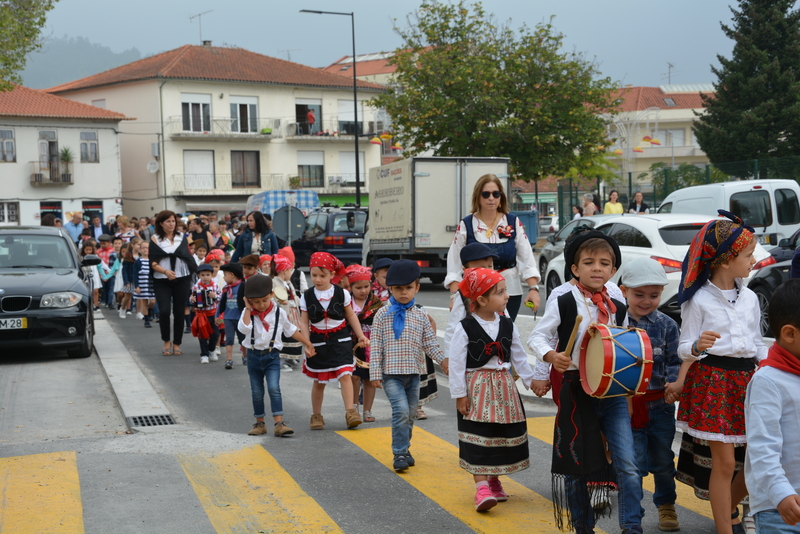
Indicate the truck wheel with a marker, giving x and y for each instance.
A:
(437, 279)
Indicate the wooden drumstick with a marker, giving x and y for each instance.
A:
(572, 336)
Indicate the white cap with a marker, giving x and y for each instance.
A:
(643, 272)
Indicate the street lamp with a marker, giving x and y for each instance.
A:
(355, 94)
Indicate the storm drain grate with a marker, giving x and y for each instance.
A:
(151, 420)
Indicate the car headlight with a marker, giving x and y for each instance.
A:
(62, 299)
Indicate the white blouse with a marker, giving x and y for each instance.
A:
(324, 298)
(458, 357)
(181, 269)
(738, 324)
(526, 264)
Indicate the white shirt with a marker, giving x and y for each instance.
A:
(453, 320)
(324, 298)
(739, 324)
(220, 280)
(458, 357)
(181, 269)
(526, 265)
(263, 337)
(772, 461)
(544, 336)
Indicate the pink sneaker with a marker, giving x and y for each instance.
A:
(497, 490)
(484, 499)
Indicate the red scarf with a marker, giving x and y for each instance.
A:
(601, 299)
(262, 316)
(782, 359)
(229, 288)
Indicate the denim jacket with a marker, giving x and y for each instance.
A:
(269, 244)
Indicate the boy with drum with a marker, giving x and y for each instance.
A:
(653, 419)
(582, 421)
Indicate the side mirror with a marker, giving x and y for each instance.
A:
(90, 260)
(351, 220)
(551, 239)
(784, 243)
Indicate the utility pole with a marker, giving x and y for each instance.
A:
(199, 18)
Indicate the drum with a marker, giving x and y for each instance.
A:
(615, 361)
(280, 293)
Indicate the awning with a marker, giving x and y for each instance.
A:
(341, 200)
(220, 205)
(544, 198)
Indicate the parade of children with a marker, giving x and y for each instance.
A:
(717, 409)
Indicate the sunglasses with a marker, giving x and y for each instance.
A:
(487, 194)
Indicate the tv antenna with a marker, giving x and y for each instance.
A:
(670, 66)
(199, 18)
(289, 52)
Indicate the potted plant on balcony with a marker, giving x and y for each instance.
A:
(66, 157)
(294, 182)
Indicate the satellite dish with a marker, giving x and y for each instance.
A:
(288, 223)
(152, 167)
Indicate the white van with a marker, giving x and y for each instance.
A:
(770, 206)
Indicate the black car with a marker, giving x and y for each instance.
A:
(786, 247)
(45, 291)
(763, 283)
(339, 231)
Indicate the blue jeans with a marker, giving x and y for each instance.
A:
(654, 451)
(263, 364)
(108, 291)
(615, 423)
(770, 522)
(403, 394)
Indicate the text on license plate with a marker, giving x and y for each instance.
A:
(13, 324)
(355, 240)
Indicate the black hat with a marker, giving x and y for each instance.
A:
(578, 237)
(205, 267)
(381, 263)
(234, 268)
(476, 251)
(257, 286)
(402, 273)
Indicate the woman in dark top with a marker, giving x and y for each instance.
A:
(197, 233)
(257, 238)
(637, 205)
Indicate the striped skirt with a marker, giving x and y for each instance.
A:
(428, 388)
(493, 436)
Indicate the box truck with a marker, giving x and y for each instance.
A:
(415, 206)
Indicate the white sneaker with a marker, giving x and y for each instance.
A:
(217, 351)
(203, 359)
(285, 368)
(128, 312)
(214, 356)
(139, 316)
(121, 314)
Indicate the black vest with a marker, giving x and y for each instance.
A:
(335, 311)
(568, 310)
(482, 348)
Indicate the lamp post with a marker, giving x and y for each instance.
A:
(355, 94)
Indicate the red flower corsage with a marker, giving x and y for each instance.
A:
(504, 230)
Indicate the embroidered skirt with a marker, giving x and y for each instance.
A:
(493, 436)
(292, 350)
(334, 357)
(428, 388)
(712, 403)
(694, 464)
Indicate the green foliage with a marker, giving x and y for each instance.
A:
(686, 175)
(755, 113)
(66, 155)
(21, 22)
(466, 86)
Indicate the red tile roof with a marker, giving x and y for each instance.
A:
(363, 68)
(24, 102)
(215, 63)
(641, 98)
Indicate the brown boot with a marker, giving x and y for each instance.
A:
(317, 422)
(352, 418)
(668, 518)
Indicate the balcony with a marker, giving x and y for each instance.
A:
(227, 129)
(224, 184)
(334, 184)
(323, 131)
(666, 152)
(51, 174)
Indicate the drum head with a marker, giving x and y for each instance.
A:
(595, 358)
(280, 293)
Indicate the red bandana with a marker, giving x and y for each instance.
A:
(323, 260)
(262, 316)
(358, 273)
(282, 263)
(782, 359)
(229, 288)
(601, 299)
(477, 282)
(215, 254)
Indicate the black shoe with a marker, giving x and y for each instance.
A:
(147, 324)
(229, 364)
(410, 459)
(187, 330)
(400, 462)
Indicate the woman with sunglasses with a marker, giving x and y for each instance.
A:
(491, 224)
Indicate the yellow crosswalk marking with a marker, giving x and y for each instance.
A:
(248, 491)
(40, 493)
(541, 428)
(438, 477)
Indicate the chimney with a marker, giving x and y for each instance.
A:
(207, 43)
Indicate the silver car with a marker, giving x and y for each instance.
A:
(555, 242)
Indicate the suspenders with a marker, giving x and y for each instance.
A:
(274, 330)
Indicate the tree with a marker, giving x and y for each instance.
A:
(755, 113)
(686, 175)
(21, 22)
(468, 87)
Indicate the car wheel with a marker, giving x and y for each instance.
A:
(84, 350)
(552, 283)
(437, 279)
(763, 303)
(542, 265)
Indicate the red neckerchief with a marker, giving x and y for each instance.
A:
(229, 288)
(782, 359)
(601, 299)
(262, 316)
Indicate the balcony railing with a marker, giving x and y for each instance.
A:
(345, 180)
(225, 184)
(327, 130)
(228, 128)
(51, 173)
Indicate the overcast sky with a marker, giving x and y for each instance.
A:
(631, 40)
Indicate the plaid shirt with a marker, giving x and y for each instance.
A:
(404, 356)
(664, 336)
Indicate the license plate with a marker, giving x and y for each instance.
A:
(13, 324)
(356, 240)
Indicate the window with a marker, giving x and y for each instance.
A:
(53, 207)
(89, 147)
(9, 213)
(665, 208)
(198, 170)
(626, 236)
(347, 167)
(308, 115)
(347, 118)
(340, 222)
(670, 102)
(788, 210)
(674, 137)
(753, 207)
(244, 114)
(245, 168)
(679, 236)
(310, 168)
(99, 103)
(31, 250)
(196, 112)
(317, 224)
(8, 149)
